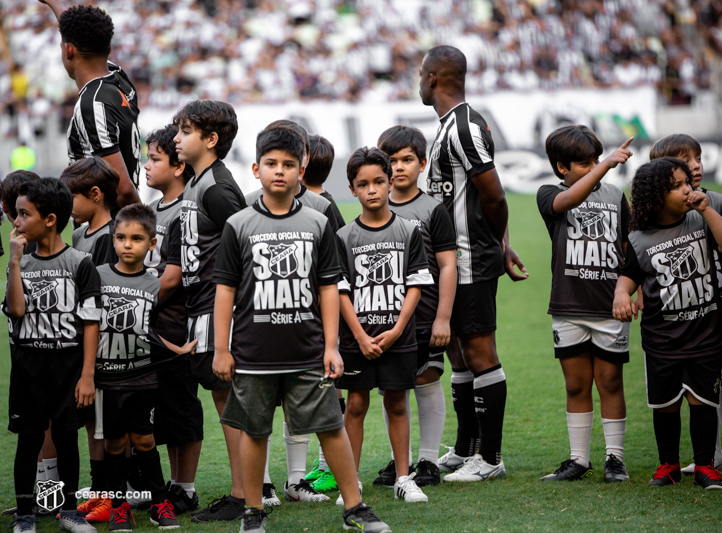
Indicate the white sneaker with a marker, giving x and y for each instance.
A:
(269, 495)
(339, 501)
(476, 469)
(406, 488)
(74, 522)
(688, 470)
(303, 492)
(24, 524)
(450, 462)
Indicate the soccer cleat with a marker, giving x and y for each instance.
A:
(614, 470)
(362, 518)
(24, 524)
(121, 518)
(101, 512)
(339, 500)
(317, 471)
(427, 473)
(88, 505)
(163, 515)
(303, 492)
(222, 509)
(75, 522)
(476, 469)
(182, 503)
(450, 462)
(666, 474)
(407, 489)
(570, 470)
(254, 520)
(387, 475)
(326, 483)
(707, 477)
(269, 495)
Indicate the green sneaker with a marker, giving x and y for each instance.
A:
(326, 483)
(316, 473)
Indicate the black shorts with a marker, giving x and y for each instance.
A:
(202, 372)
(391, 371)
(179, 412)
(669, 379)
(42, 388)
(124, 412)
(474, 309)
(428, 356)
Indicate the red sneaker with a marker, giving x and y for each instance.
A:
(707, 477)
(88, 505)
(101, 512)
(121, 518)
(666, 474)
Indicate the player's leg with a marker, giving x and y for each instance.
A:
(357, 405)
(337, 449)
(29, 445)
(396, 407)
(387, 475)
(431, 404)
(49, 457)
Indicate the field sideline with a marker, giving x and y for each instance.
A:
(535, 440)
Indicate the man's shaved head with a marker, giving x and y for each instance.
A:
(443, 70)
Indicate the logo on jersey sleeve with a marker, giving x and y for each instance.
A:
(592, 234)
(43, 294)
(121, 316)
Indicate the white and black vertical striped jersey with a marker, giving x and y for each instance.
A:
(587, 249)
(433, 221)
(463, 148)
(673, 265)
(105, 121)
(123, 345)
(61, 292)
(277, 264)
(378, 265)
(209, 199)
(98, 244)
(172, 315)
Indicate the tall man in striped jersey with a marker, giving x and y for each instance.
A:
(463, 177)
(104, 122)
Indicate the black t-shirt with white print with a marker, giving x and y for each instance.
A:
(309, 199)
(277, 263)
(715, 202)
(123, 345)
(673, 264)
(433, 221)
(208, 201)
(379, 265)
(98, 244)
(587, 249)
(463, 148)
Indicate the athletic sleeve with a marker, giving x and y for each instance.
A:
(104, 251)
(88, 282)
(334, 213)
(101, 119)
(174, 243)
(221, 201)
(474, 148)
(626, 216)
(443, 237)
(344, 285)
(545, 201)
(417, 271)
(328, 269)
(331, 216)
(229, 264)
(631, 267)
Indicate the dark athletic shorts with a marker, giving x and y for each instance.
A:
(179, 412)
(201, 328)
(669, 379)
(391, 371)
(42, 388)
(427, 356)
(474, 309)
(125, 411)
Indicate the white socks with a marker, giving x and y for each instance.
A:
(266, 475)
(40, 473)
(322, 464)
(614, 436)
(386, 422)
(296, 451)
(432, 416)
(580, 436)
(190, 488)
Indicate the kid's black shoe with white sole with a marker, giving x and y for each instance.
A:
(224, 509)
(666, 474)
(163, 515)
(707, 477)
(427, 473)
(570, 470)
(362, 518)
(614, 470)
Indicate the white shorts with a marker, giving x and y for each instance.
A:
(605, 338)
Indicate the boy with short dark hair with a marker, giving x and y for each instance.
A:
(94, 184)
(179, 413)
(9, 190)
(279, 255)
(384, 267)
(320, 161)
(53, 296)
(206, 129)
(406, 148)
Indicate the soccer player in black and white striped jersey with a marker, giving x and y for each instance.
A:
(463, 177)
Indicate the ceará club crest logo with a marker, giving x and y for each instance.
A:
(50, 495)
(44, 294)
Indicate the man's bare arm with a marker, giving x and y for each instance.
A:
(127, 194)
(493, 201)
(55, 5)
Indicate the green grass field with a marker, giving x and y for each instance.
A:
(535, 440)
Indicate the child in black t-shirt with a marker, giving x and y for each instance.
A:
(320, 161)
(52, 295)
(670, 256)
(587, 221)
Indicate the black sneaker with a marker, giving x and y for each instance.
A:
(362, 518)
(254, 520)
(180, 500)
(224, 509)
(121, 518)
(666, 474)
(707, 477)
(163, 515)
(427, 473)
(614, 470)
(570, 470)
(387, 475)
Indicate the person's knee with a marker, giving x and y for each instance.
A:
(142, 443)
(395, 403)
(578, 386)
(116, 446)
(357, 405)
(480, 352)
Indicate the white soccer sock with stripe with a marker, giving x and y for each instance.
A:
(296, 451)
(51, 469)
(40, 473)
(614, 436)
(432, 415)
(386, 423)
(266, 475)
(580, 436)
